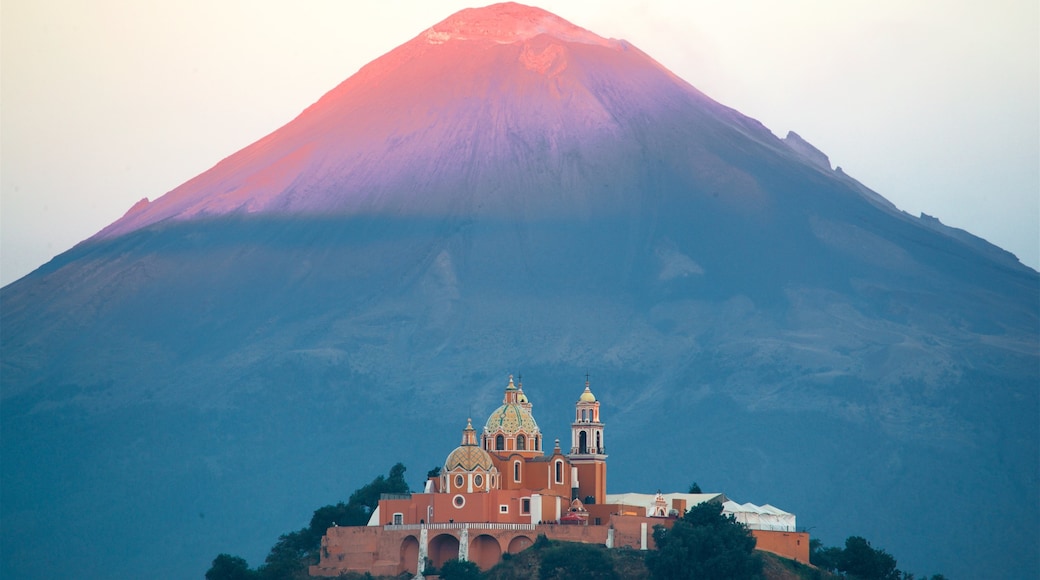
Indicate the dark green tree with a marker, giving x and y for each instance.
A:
(435, 472)
(460, 570)
(289, 558)
(824, 557)
(859, 560)
(704, 544)
(694, 488)
(295, 551)
(228, 567)
(366, 498)
(566, 560)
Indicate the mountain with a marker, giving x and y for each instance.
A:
(510, 193)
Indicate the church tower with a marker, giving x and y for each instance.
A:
(588, 455)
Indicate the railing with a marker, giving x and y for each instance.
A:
(383, 496)
(461, 525)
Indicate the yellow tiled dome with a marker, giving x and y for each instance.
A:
(469, 458)
(511, 418)
(514, 416)
(587, 396)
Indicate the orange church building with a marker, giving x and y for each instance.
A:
(501, 488)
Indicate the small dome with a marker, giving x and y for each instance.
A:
(521, 397)
(587, 396)
(468, 458)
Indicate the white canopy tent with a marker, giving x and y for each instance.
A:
(764, 517)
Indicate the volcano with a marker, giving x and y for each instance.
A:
(510, 193)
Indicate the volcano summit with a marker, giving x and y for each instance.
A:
(510, 191)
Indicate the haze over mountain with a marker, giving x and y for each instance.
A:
(508, 192)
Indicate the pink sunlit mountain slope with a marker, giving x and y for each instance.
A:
(507, 193)
(489, 112)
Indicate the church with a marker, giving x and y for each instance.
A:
(501, 488)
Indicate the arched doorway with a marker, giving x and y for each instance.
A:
(519, 544)
(484, 551)
(583, 442)
(443, 548)
(409, 555)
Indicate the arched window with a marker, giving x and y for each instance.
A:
(599, 442)
(583, 442)
(559, 472)
(500, 443)
(583, 417)
(521, 443)
(516, 471)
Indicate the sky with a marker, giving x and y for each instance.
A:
(935, 104)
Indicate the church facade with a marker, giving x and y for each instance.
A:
(501, 488)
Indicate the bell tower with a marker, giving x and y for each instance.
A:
(588, 454)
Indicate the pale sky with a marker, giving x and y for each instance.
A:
(935, 104)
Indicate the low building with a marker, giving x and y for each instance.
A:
(499, 490)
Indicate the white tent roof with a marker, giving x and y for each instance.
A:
(765, 517)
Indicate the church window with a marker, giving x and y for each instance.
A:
(559, 472)
(521, 443)
(503, 509)
(599, 442)
(478, 480)
(525, 505)
(583, 417)
(516, 471)
(458, 501)
(398, 519)
(459, 481)
(500, 443)
(583, 442)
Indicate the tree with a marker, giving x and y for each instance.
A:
(859, 560)
(228, 567)
(366, 498)
(704, 544)
(694, 488)
(826, 558)
(566, 560)
(289, 557)
(459, 570)
(295, 551)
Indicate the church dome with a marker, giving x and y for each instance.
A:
(514, 416)
(468, 458)
(511, 418)
(587, 396)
